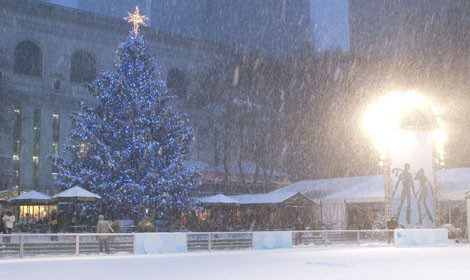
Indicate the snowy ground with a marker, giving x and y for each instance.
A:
(328, 263)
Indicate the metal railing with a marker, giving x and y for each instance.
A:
(209, 241)
(22, 245)
(342, 237)
(67, 244)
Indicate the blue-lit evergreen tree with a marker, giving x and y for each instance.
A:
(130, 145)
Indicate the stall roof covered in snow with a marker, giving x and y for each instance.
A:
(262, 198)
(454, 184)
(76, 193)
(32, 196)
(217, 199)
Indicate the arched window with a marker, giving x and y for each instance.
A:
(82, 68)
(28, 59)
(177, 81)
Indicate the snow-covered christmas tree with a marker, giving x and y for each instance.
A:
(129, 147)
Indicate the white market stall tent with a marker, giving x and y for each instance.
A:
(33, 206)
(247, 199)
(216, 199)
(76, 194)
(32, 197)
(335, 194)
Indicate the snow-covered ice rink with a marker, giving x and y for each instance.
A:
(328, 263)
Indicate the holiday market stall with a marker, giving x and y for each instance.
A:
(358, 202)
(35, 208)
(72, 197)
(266, 211)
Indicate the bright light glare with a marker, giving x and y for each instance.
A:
(383, 119)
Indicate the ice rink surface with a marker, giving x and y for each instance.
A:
(309, 263)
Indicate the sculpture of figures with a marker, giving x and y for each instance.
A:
(424, 186)
(406, 179)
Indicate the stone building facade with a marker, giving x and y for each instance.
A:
(48, 54)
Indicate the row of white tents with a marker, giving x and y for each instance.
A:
(73, 194)
(454, 184)
(334, 194)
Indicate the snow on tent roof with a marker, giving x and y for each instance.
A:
(32, 196)
(76, 192)
(371, 189)
(215, 199)
(364, 188)
(262, 198)
(454, 184)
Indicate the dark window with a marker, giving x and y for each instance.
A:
(56, 84)
(177, 81)
(82, 68)
(28, 59)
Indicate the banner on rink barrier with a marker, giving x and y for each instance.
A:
(159, 243)
(272, 239)
(421, 237)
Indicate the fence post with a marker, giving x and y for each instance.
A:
(21, 246)
(358, 238)
(209, 242)
(77, 244)
(133, 241)
(326, 238)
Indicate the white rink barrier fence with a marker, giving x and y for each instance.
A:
(67, 244)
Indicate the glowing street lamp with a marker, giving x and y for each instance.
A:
(398, 111)
(405, 127)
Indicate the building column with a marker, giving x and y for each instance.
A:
(6, 146)
(45, 167)
(64, 128)
(468, 218)
(26, 148)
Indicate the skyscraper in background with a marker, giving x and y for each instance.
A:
(272, 28)
(330, 25)
(280, 28)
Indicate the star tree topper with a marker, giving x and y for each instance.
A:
(136, 19)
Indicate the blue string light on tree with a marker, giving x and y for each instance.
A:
(130, 145)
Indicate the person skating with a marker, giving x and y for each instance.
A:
(2, 224)
(392, 224)
(54, 224)
(103, 227)
(299, 226)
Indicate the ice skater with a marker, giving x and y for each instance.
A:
(424, 186)
(105, 229)
(406, 180)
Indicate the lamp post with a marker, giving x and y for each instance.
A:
(385, 164)
(439, 163)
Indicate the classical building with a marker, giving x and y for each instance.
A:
(48, 55)
(272, 28)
